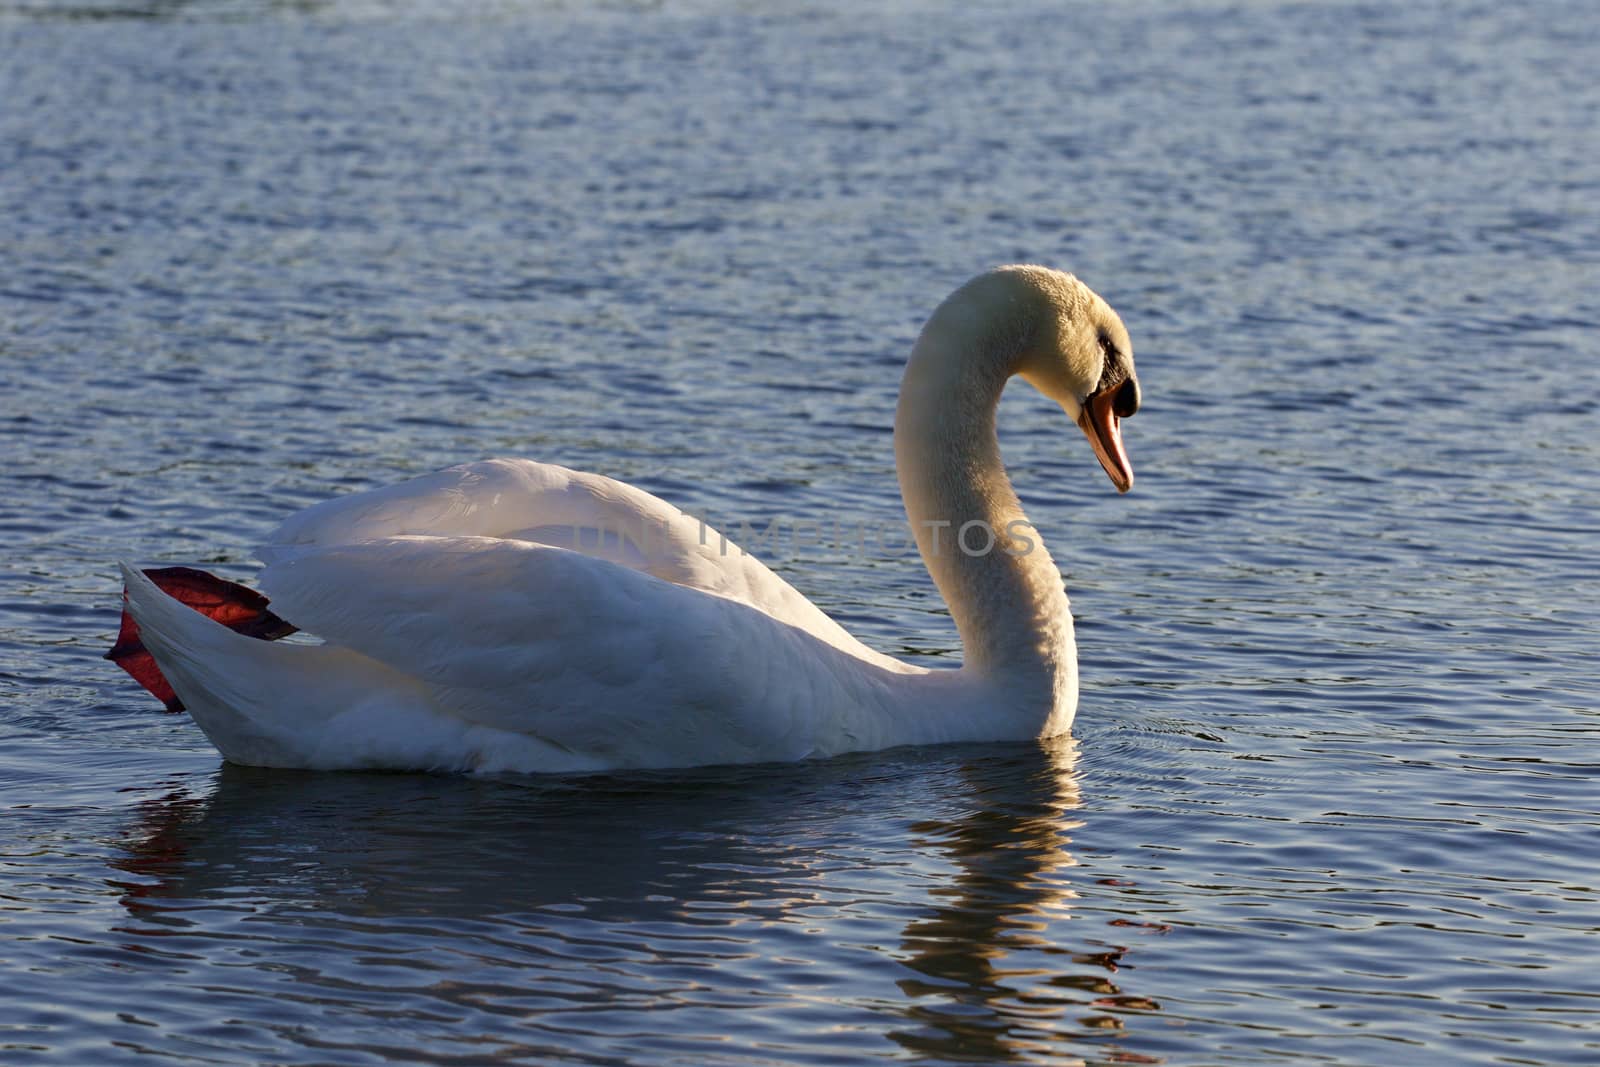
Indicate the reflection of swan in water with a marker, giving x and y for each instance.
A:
(514, 907)
(993, 981)
(454, 847)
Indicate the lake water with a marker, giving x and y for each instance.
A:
(1334, 795)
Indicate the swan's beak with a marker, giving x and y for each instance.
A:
(1100, 424)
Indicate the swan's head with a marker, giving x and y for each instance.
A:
(1076, 352)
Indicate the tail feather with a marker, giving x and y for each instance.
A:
(240, 609)
(269, 703)
(224, 679)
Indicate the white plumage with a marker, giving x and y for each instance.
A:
(513, 615)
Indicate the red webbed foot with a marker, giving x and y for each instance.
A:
(240, 609)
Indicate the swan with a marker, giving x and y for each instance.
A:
(463, 622)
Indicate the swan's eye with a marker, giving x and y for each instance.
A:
(1108, 347)
(1127, 400)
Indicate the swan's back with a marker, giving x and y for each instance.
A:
(596, 516)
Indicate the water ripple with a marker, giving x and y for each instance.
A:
(1331, 796)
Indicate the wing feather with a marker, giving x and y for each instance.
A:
(577, 651)
(588, 514)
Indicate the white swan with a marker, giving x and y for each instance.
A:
(458, 634)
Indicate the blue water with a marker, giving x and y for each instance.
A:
(1334, 795)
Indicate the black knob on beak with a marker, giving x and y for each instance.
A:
(1127, 400)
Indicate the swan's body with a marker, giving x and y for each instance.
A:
(512, 615)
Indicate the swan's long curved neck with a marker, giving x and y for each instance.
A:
(991, 566)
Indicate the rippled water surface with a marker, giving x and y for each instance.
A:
(1334, 795)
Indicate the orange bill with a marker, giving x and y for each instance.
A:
(1100, 424)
